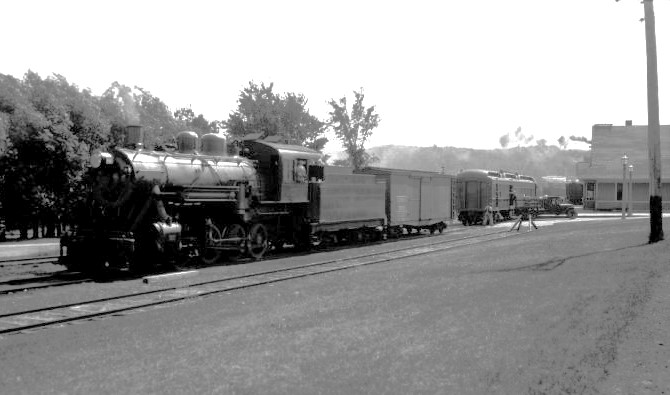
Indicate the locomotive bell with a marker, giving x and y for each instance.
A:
(187, 142)
(213, 144)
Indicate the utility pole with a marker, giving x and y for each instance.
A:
(653, 127)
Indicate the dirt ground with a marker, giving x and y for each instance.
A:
(643, 360)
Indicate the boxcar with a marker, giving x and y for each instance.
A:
(574, 192)
(414, 200)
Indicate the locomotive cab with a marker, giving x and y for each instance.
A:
(284, 170)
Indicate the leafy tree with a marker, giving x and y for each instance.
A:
(187, 120)
(156, 119)
(353, 129)
(50, 128)
(563, 142)
(125, 106)
(504, 140)
(262, 111)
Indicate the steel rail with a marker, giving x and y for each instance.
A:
(57, 283)
(29, 260)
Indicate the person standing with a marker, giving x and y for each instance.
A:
(488, 215)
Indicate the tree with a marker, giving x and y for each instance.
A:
(187, 120)
(262, 111)
(156, 119)
(125, 106)
(504, 140)
(50, 127)
(563, 142)
(353, 130)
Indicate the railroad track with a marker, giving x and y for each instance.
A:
(54, 315)
(58, 279)
(31, 282)
(28, 261)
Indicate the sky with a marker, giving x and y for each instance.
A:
(448, 73)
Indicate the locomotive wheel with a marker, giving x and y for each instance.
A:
(210, 256)
(257, 242)
(234, 230)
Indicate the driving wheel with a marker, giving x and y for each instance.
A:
(257, 241)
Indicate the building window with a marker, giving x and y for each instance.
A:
(619, 190)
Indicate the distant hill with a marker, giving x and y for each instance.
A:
(534, 161)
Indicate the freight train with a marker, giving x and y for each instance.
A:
(208, 200)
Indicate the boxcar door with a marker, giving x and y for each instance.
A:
(414, 184)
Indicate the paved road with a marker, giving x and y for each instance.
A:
(544, 312)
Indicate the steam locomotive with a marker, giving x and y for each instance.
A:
(146, 207)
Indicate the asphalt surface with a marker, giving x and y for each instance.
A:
(558, 310)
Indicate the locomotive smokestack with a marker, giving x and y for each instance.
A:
(134, 137)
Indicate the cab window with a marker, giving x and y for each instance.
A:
(300, 170)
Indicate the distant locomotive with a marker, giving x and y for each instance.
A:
(145, 206)
(498, 190)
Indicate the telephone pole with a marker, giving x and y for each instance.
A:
(653, 127)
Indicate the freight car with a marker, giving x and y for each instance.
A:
(414, 200)
(552, 185)
(574, 192)
(500, 190)
(147, 206)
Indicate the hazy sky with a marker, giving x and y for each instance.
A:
(451, 72)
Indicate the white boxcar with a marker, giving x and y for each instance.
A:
(415, 199)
